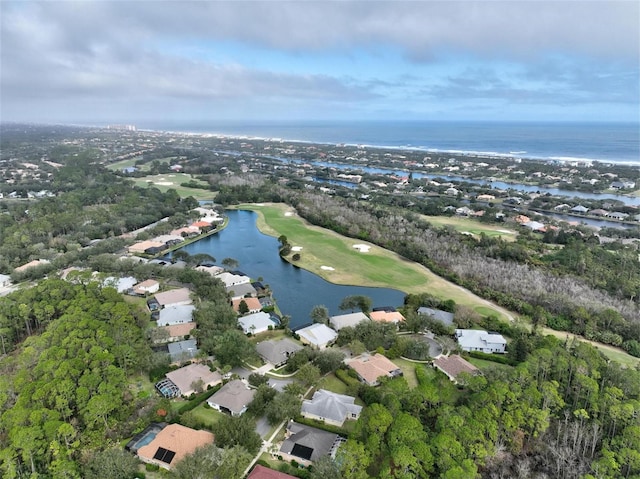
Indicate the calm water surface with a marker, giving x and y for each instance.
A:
(296, 290)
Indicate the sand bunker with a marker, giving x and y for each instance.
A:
(296, 248)
(288, 213)
(327, 268)
(363, 248)
(163, 183)
(507, 231)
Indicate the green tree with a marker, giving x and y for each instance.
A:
(237, 431)
(320, 314)
(363, 303)
(308, 374)
(243, 308)
(354, 459)
(211, 462)
(111, 464)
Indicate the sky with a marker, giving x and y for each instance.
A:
(96, 62)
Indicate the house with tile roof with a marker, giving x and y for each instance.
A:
(174, 297)
(232, 398)
(317, 335)
(149, 286)
(261, 472)
(177, 332)
(172, 444)
(330, 407)
(370, 368)
(395, 317)
(454, 365)
(253, 304)
(186, 377)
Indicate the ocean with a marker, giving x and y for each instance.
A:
(609, 142)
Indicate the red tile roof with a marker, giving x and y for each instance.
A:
(261, 472)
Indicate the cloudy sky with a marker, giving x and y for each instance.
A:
(133, 61)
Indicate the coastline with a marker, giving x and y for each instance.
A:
(560, 156)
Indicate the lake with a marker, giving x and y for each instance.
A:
(296, 290)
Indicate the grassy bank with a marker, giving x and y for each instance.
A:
(323, 249)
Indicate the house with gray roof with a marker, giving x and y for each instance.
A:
(306, 444)
(483, 341)
(232, 398)
(277, 352)
(317, 335)
(331, 408)
(444, 317)
(176, 315)
(347, 320)
(183, 350)
(243, 290)
(256, 323)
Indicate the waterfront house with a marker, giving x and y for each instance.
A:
(253, 304)
(256, 323)
(317, 335)
(395, 317)
(241, 291)
(444, 317)
(347, 320)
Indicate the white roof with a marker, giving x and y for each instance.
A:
(256, 322)
(317, 334)
(121, 284)
(230, 279)
(474, 338)
(176, 315)
(345, 320)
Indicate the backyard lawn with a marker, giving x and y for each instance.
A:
(343, 260)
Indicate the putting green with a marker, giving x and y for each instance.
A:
(323, 249)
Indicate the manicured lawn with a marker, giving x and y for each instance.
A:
(377, 267)
(172, 181)
(207, 415)
(331, 383)
(483, 364)
(408, 371)
(473, 226)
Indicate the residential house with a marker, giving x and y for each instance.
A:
(230, 279)
(256, 323)
(177, 332)
(622, 185)
(330, 408)
(277, 352)
(444, 317)
(146, 247)
(120, 284)
(212, 269)
(149, 286)
(485, 198)
(174, 297)
(579, 209)
(599, 212)
(370, 368)
(183, 350)
(534, 225)
(188, 377)
(347, 320)
(306, 444)
(317, 335)
(172, 444)
(617, 215)
(169, 240)
(454, 365)
(253, 304)
(451, 191)
(483, 341)
(243, 290)
(176, 315)
(395, 317)
(232, 398)
(261, 472)
(186, 231)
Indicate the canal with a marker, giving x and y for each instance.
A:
(296, 290)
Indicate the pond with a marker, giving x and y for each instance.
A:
(296, 290)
